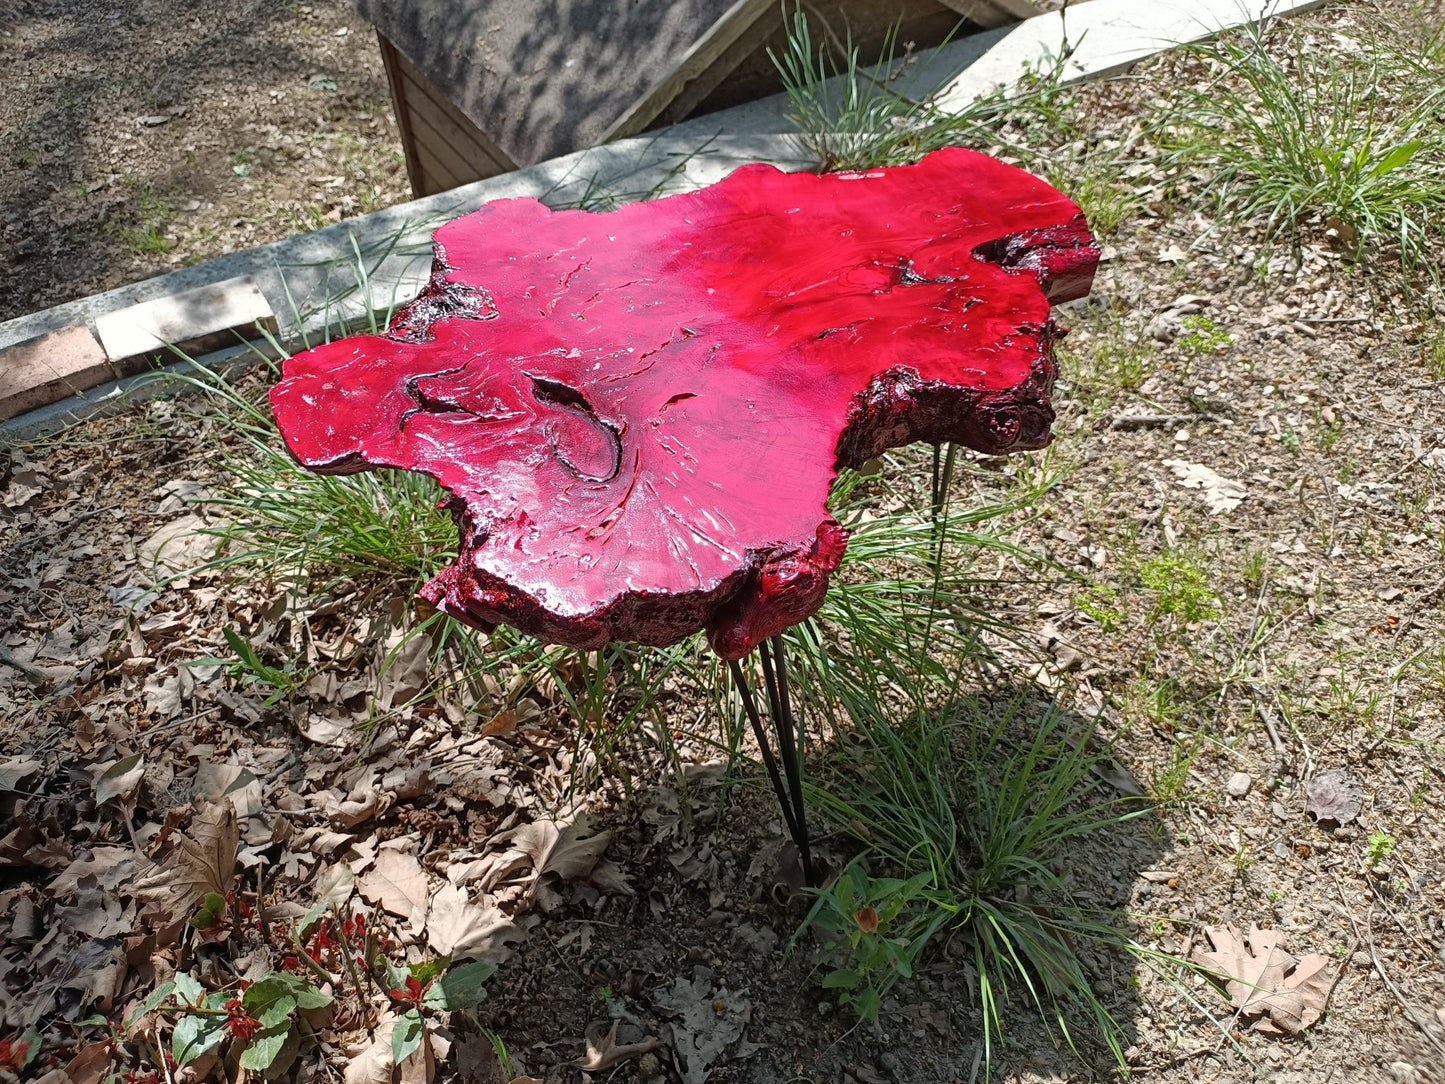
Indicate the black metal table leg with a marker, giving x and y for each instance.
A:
(790, 795)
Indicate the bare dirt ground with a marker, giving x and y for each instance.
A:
(141, 135)
(1247, 522)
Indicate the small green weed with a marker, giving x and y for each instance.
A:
(1181, 589)
(1153, 702)
(1379, 847)
(1351, 694)
(1199, 337)
(267, 1021)
(1169, 784)
(1115, 357)
(1435, 353)
(1095, 181)
(420, 991)
(1104, 604)
(257, 1020)
(880, 926)
(249, 668)
(1256, 567)
(152, 211)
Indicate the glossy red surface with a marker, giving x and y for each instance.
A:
(640, 413)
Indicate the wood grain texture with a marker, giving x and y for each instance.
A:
(639, 414)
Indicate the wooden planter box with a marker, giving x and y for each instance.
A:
(482, 87)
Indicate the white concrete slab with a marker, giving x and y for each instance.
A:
(1107, 37)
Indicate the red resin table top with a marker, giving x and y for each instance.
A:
(639, 413)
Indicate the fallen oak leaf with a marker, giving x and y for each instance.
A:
(110, 866)
(1264, 981)
(396, 884)
(568, 850)
(334, 885)
(464, 930)
(203, 863)
(14, 770)
(373, 1063)
(1220, 494)
(604, 1051)
(216, 781)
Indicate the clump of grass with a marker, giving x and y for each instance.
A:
(1154, 702)
(1095, 180)
(285, 518)
(854, 117)
(1435, 353)
(974, 817)
(1108, 353)
(1301, 136)
(153, 212)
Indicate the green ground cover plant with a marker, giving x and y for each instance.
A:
(1342, 142)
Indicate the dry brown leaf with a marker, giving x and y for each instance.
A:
(1263, 980)
(604, 1051)
(419, 1067)
(335, 884)
(501, 725)
(216, 781)
(568, 850)
(91, 1065)
(1220, 494)
(201, 863)
(348, 812)
(1333, 795)
(404, 668)
(120, 778)
(15, 769)
(476, 1062)
(708, 1024)
(372, 1064)
(464, 930)
(110, 866)
(396, 884)
(176, 547)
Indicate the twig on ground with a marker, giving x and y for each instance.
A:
(165, 1065)
(1150, 421)
(1299, 737)
(1268, 717)
(1405, 1006)
(33, 674)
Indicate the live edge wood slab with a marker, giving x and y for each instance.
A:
(639, 414)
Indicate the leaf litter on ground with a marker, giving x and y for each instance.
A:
(1267, 986)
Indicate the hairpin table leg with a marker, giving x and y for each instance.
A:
(790, 795)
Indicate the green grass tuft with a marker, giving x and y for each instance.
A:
(1327, 141)
(975, 814)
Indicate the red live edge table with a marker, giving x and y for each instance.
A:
(639, 414)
